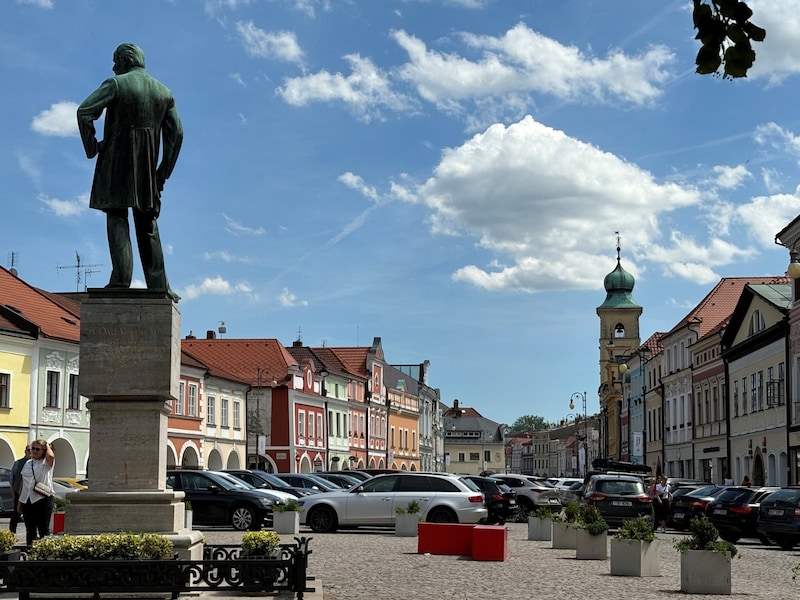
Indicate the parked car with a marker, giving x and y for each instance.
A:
(268, 481)
(500, 500)
(308, 480)
(734, 512)
(72, 482)
(691, 504)
(531, 494)
(342, 480)
(617, 497)
(216, 501)
(442, 498)
(567, 495)
(6, 495)
(61, 489)
(779, 517)
(278, 496)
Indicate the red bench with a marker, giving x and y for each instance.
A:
(481, 542)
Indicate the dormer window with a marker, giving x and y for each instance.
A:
(757, 323)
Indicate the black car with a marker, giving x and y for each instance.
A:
(779, 517)
(268, 481)
(499, 499)
(692, 504)
(735, 512)
(617, 497)
(343, 480)
(217, 501)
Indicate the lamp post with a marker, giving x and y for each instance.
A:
(582, 397)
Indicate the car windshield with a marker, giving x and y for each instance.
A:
(790, 496)
(703, 491)
(271, 479)
(324, 483)
(232, 482)
(620, 487)
(741, 496)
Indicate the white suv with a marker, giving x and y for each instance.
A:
(531, 494)
(442, 499)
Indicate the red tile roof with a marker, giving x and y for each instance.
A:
(720, 302)
(240, 360)
(53, 320)
(353, 358)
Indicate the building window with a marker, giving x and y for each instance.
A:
(192, 400)
(51, 393)
(224, 410)
(179, 401)
(735, 398)
(461, 457)
(320, 431)
(237, 419)
(744, 395)
(474, 456)
(5, 385)
(757, 323)
(74, 396)
(211, 410)
(301, 424)
(311, 426)
(487, 456)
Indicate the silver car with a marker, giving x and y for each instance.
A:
(442, 499)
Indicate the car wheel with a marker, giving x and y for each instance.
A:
(786, 543)
(442, 515)
(322, 519)
(765, 540)
(243, 518)
(730, 537)
(524, 510)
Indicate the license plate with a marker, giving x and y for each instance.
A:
(621, 503)
(775, 512)
(677, 516)
(720, 511)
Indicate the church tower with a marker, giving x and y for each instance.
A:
(619, 338)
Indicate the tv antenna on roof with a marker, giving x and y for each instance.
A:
(78, 266)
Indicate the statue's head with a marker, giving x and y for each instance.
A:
(126, 57)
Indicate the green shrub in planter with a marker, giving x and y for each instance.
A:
(7, 540)
(259, 543)
(571, 513)
(591, 520)
(105, 546)
(704, 536)
(542, 513)
(288, 506)
(59, 504)
(640, 528)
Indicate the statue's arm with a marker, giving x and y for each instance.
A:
(172, 136)
(90, 110)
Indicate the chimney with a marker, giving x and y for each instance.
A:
(211, 334)
(191, 336)
(297, 344)
(455, 407)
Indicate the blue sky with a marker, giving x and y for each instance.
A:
(448, 175)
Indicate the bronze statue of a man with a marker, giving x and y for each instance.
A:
(140, 111)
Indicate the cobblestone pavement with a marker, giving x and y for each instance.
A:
(376, 565)
(372, 564)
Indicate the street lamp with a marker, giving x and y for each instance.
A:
(582, 397)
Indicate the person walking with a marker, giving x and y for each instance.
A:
(663, 505)
(15, 481)
(36, 498)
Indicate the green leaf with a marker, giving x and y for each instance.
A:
(708, 60)
(742, 12)
(756, 33)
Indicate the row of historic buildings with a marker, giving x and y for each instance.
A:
(716, 395)
(241, 402)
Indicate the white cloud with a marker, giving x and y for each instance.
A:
(771, 135)
(58, 120)
(281, 45)
(237, 77)
(237, 228)
(730, 177)
(776, 56)
(30, 167)
(549, 204)
(286, 298)
(216, 286)
(39, 3)
(764, 216)
(226, 256)
(523, 61)
(65, 208)
(366, 90)
(355, 182)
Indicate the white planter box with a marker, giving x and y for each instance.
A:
(563, 536)
(591, 547)
(705, 572)
(635, 558)
(286, 523)
(405, 525)
(540, 530)
(188, 521)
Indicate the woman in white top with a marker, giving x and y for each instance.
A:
(36, 506)
(662, 507)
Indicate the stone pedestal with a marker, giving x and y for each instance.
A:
(130, 371)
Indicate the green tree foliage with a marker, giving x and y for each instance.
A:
(725, 31)
(528, 423)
